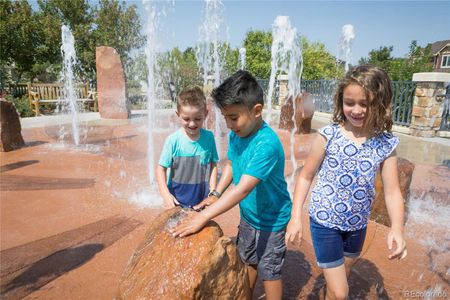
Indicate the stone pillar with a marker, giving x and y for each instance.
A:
(209, 86)
(428, 103)
(111, 88)
(283, 84)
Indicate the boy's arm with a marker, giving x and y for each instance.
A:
(213, 177)
(224, 182)
(227, 201)
(395, 206)
(161, 179)
(313, 162)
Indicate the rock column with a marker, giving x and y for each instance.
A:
(111, 87)
(428, 103)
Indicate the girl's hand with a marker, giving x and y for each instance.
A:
(397, 237)
(190, 225)
(294, 232)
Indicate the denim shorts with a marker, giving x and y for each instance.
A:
(264, 249)
(332, 245)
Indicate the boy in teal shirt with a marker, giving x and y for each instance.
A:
(256, 167)
(190, 153)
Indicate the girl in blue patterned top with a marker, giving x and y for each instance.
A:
(347, 155)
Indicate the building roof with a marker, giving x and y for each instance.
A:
(436, 47)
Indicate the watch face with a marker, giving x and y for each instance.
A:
(214, 193)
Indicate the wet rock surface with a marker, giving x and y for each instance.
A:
(47, 218)
(205, 265)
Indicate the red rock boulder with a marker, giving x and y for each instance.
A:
(205, 265)
(10, 128)
(111, 89)
(379, 211)
(304, 111)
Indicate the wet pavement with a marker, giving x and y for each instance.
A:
(72, 216)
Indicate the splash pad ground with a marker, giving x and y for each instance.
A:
(72, 216)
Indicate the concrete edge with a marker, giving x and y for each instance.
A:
(431, 77)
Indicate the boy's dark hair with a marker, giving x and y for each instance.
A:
(191, 95)
(240, 88)
(378, 91)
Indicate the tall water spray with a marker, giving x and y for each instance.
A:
(286, 58)
(150, 53)
(154, 84)
(208, 54)
(345, 44)
(69, 96)
(242, 57)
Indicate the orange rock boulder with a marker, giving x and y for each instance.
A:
(111, 86)
(304, 111)
(379, 211)
(205, 265)
(10, 128)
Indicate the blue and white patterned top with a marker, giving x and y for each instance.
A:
(345, 190)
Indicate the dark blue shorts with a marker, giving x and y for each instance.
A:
(264, 249)
(332, 245)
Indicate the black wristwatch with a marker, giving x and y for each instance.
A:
(214, 193)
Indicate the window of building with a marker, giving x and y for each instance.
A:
(445, 61)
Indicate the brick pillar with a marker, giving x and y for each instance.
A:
(283, 81)
(209, 86)
(428, 103)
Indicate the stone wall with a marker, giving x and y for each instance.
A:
(428, 103)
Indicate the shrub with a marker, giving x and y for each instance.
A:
(22, 105)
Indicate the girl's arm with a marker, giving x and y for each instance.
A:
(213, 177)
(161, 179)
(395, 206)
(198, 221)
(225, 181)
(313, 162)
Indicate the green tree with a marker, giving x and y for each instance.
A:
(230, 60)
(186, 71)
(118, 26)
(318, 62)
(31, 40)
(19, 39)
(78, 15)
(419, 59)
(258, 51)
(381, 57)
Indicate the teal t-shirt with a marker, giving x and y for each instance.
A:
(268, 206)
(190, 165)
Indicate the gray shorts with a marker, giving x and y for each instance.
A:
(264, 249)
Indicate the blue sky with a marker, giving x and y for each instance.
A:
(376, 23)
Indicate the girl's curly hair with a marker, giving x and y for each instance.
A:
(377, 87)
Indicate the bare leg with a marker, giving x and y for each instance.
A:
(252, 276)
(274, 289)
(336, 278)
(348, 264)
